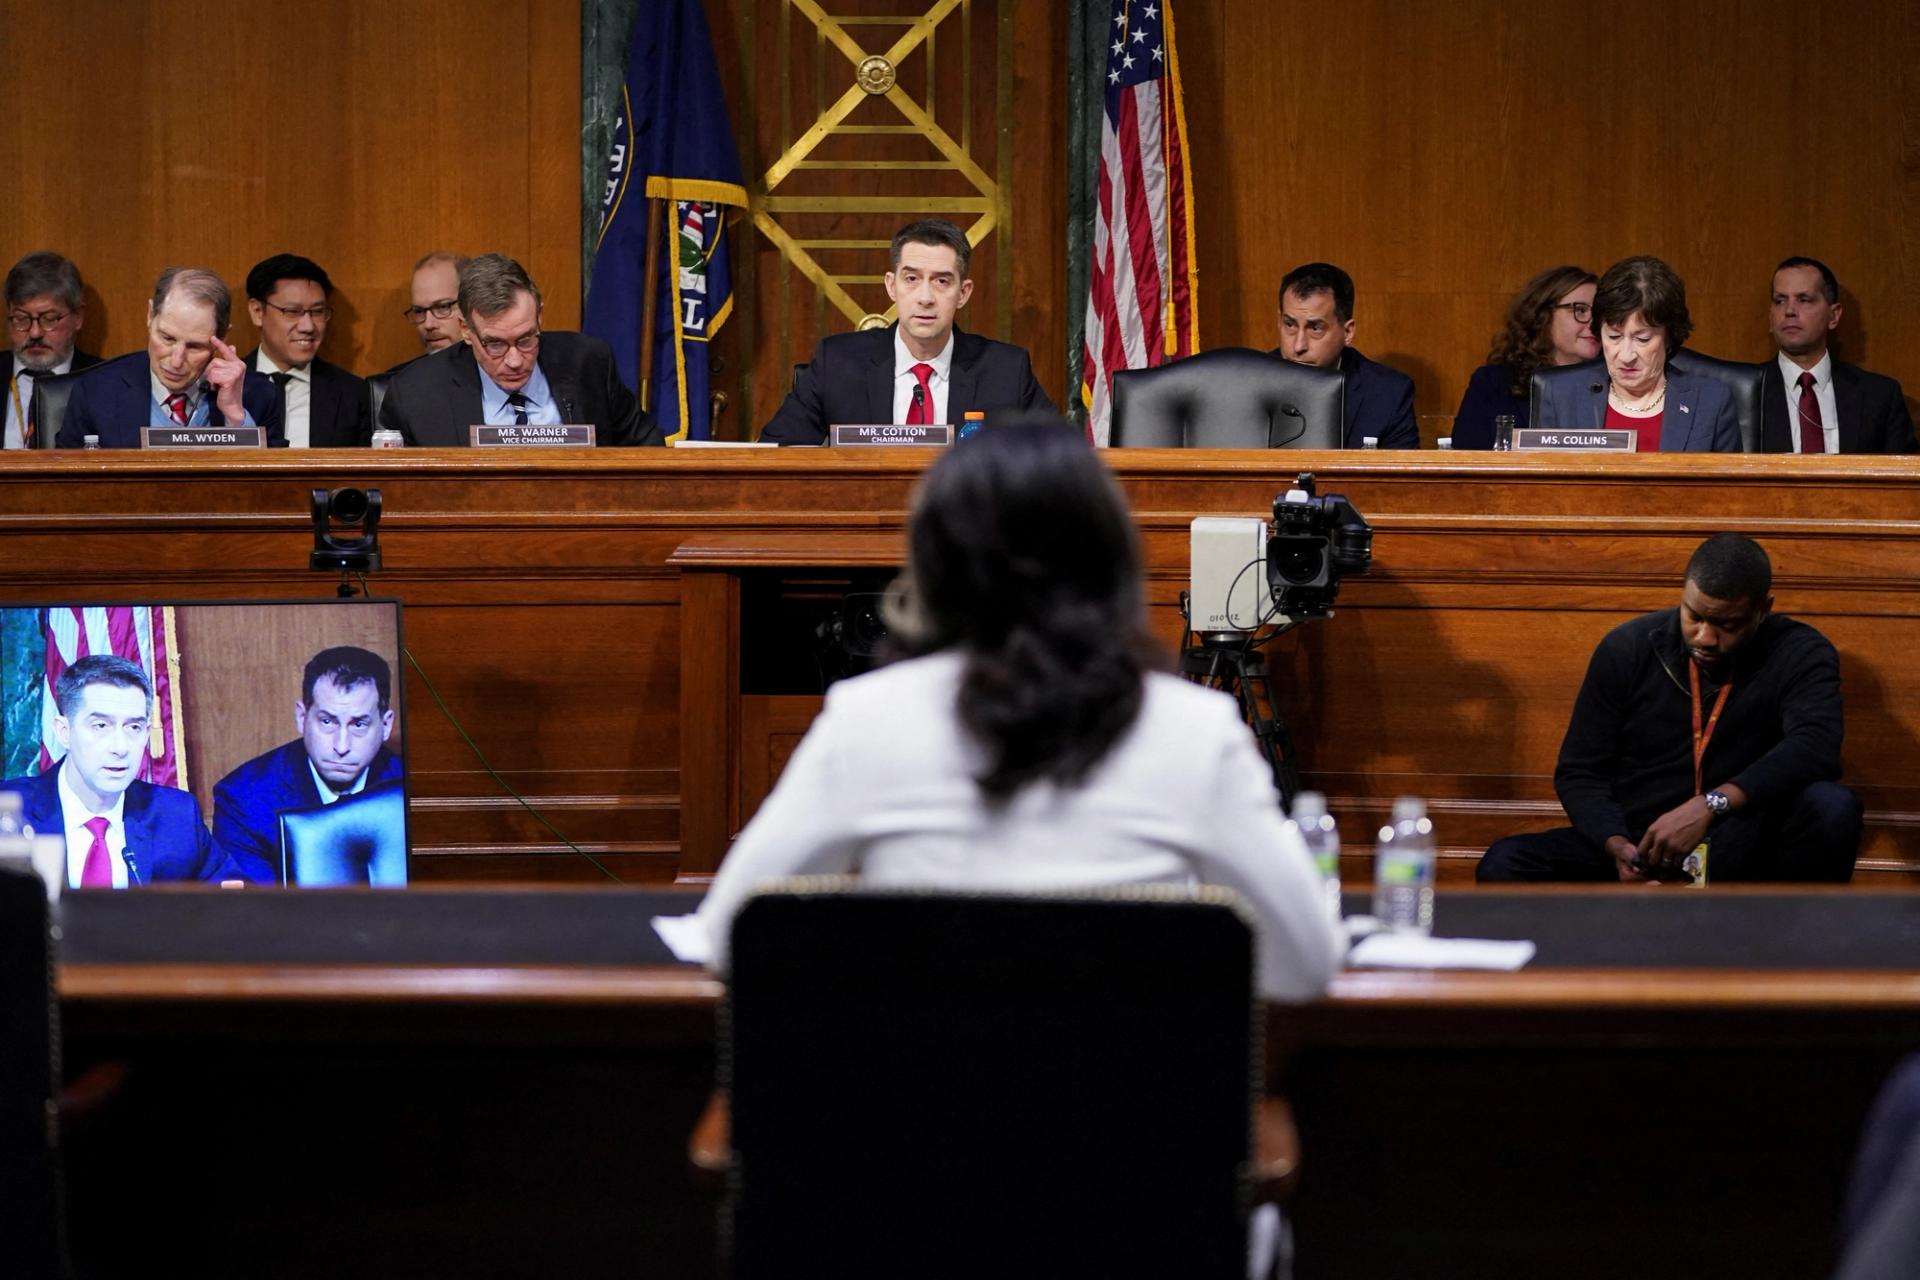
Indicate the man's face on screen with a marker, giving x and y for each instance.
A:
(1310, 332)
(497, 342)
(929, 292)
(104, 739)
(43, 331)
(180, 341)
(343, 729)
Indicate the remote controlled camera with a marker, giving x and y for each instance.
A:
(1315, 541)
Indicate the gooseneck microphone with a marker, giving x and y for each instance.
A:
(1597, 389)
(920, 401)
(1287, 411)
(133, 866)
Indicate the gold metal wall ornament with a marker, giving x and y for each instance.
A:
(875, 75)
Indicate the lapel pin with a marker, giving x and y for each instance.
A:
(1686, 408)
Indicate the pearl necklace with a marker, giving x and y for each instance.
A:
(1620, 403)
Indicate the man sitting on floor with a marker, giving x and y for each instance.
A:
(1715, 724)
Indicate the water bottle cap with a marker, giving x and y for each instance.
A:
(1409, 808)
(1308, 804)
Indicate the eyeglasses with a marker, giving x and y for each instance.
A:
(441, 310)
(1582, 311)
(321, 313)
(526, 344)
(21, 321)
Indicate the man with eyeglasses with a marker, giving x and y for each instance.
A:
(510, 372)
(322, 405)
(46, 307)
(344, 717)
(187, 377)
(436, 299)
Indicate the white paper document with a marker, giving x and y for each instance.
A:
(1413, 951)
(686, 937)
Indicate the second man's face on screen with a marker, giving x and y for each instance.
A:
(343, 729)
(928, 290)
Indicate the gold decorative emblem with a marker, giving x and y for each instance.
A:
(872, 321)
(876, 75)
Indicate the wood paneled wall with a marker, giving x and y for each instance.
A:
(361, 133)
(1443, 153)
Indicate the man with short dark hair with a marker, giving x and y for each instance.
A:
(1316, 328)
(322, 405)
(119, 830)
(344, 717)
(46, 307)
(920, 369)
(188, 376)
(509, 372)
(1816, 404)
(1751, 793)
(434, 293)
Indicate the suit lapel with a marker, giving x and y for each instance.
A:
(322, 406)
(1676, 425)
(963, 393)
(42, 803)
(879, 380)
(137, 814)
(1847, 406)
(464, 398)
(1776, 423)
(565, 390)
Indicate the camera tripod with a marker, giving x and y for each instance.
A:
(1228, 661)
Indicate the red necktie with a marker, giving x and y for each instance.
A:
(1813, 435)
(920, 409)
(98, 871)
(177, 408)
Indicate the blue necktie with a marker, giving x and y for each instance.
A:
(518, 403)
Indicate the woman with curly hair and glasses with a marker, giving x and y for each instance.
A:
(1549, 323)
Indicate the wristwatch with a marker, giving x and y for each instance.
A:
(1717, 803)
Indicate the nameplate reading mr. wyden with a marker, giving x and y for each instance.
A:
(202, 438)
(940, 433)
(565, 435)
(1561, 438)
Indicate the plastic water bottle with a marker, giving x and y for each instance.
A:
(1322, 837)
(1503, 432)
(1403, 869)
(90, 442)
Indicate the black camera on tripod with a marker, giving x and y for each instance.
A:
(1314, 543)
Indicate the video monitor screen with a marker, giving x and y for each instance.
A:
(261, 742)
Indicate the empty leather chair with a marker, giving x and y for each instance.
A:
(1229, 398)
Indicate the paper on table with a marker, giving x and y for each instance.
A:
(1413, 951)
(686, 937)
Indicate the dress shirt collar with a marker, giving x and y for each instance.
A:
(904, 360)
(493, 400)
(158, 390)
(21, 371)
(1822, 372)
(327, 794)
(265, 364)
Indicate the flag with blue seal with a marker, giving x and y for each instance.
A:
(672, 154)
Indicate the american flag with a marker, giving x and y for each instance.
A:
(142, 633)
(1141, 308)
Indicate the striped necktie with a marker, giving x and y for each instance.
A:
(518, 403)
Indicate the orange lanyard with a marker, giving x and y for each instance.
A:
(1700, 739)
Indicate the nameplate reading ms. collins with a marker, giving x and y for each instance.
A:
(1576, 441)
(566, 435)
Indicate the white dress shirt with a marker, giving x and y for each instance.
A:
(296, 402)
(79, 840)
(883, 784)
(1822, 394)
(327, 794)
(904, 382)
(20, 398)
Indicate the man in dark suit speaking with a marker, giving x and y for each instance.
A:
(344, 718)
(119, 830)
(1816, 404)
(510, 373)
(920, 369)
(188, 376)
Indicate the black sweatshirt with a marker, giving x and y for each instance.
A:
(1628, 753)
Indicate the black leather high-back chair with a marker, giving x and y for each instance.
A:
(1746, 381)
(29, 1170)
(377, 395)
(49, 408)
(1229, 398)
(968, 1085)
(358, 839)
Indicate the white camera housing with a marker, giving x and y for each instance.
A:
(1227, 585)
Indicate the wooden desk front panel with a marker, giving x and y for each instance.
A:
(541, 603)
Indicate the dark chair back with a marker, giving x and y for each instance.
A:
(377, 395)
(358, 839)
(29, 1170)
(946, 1085)
(1229, 398)
(49, 408)
(1746, 381)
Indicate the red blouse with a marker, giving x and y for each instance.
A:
(1648, 439)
